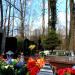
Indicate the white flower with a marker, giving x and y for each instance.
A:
(11, 66)
(12, 60)
(6, 66)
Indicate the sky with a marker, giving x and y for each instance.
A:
(34, 9)
(36, 13)
(61, 13)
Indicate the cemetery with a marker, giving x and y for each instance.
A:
(37, 37)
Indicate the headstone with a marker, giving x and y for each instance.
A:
(11, 44)
(26, 50)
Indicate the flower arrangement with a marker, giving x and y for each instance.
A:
(12, 69)
(16, 68)
(66, 71)
(6, 68)
(34, 65)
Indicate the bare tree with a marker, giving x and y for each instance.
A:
(9, 19)
(5, 19)
(1, 12)
(22, 19)
(43, 17)
(48, 14)
(72, 26)
(66, 27)
(13, 19)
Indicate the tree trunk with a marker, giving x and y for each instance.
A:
(5, 19)
(24, 15)
(4, 34)
(22, 21)
(9, 19)
(1, 13)
(66, 27)
(53, 14)
(72, 26)
(49, 15)
(43, 17)
(13, 19)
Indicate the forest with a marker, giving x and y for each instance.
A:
(37, 37)
(34, 19)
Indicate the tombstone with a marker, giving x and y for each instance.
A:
(11, 44)
(40, 46)
(26, 44)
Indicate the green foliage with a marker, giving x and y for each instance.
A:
(6, 69)
(42, 54)
(51, 41)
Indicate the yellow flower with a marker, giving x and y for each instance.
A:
(32, 46)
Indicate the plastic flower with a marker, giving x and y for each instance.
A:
(31, 63)
(40, 62)
(6, 66)
(32, 66)
(32, 46)
(66, 71)
(14, 61)
(34, 70)
(73, 72)
(61, 72)
(30, 59)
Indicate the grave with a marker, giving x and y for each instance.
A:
(26, 50)
(11, 44)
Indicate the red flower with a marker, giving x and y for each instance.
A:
(73, 72)
(35, 65)
(40, 62)
(34, 70)
(30, 65)
(68, 70)
(61, 72)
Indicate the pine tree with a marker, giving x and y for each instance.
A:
(51, 41)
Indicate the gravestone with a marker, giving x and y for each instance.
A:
(26, 44)
(11, 44)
